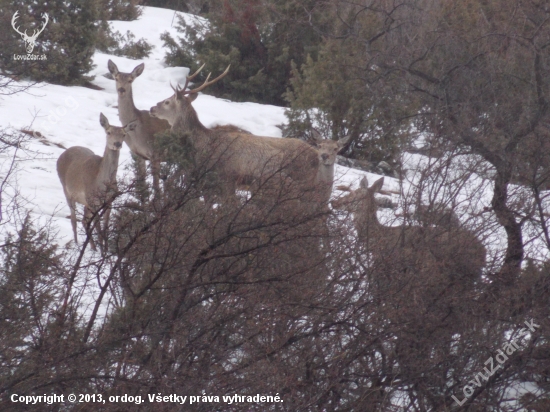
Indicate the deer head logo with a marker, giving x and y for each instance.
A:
(29, 40)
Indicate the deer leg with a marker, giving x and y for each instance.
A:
(88, 227)
(141, 176)
(97, 228)
(105, 232)
(155, 171)
(72, 206)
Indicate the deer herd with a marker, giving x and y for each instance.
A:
(238, 158)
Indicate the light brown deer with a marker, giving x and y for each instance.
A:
(87, 178)
(238, 158)
(459, 251)
(327, 150)
(141, 139)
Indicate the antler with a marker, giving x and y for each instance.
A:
(37, 32)
(206, 82)
(182, 90)
(178, 88)
(13, 19)
(189, 78)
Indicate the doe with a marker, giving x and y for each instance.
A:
(87, 178)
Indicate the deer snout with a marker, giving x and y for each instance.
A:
(152, 111)
(121, 90)
(324, 156)
(118, 145)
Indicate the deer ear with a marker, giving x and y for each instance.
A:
(138, 70)
(316, 136)
(364, 183)
(193, 96)
(112, 68)
(103, 121)
(344, 141)
(377, 186)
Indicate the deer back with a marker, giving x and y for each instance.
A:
(245, 157)
(85, 175)
(454, 250)
(77, 168)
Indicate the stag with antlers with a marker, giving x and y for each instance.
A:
(238, 159)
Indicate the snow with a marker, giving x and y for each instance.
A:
(70, 116)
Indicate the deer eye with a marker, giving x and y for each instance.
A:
(166, 102)
(108, 132)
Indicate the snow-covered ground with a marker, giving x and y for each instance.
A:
(70, 116)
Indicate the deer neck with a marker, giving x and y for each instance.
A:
(188, 122)
(325, 174)
(108, 166)
(367, 221)
(127, 110)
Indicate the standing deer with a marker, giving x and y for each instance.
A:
(327, 150)
(141, 139)
(86, 177)
(238, 158)
(455, 247)
(423, 278)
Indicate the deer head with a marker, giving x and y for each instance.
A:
(175, 106)
(115, 135)
(361, 200)
(124, 80)
(30, 40)
(327, 148)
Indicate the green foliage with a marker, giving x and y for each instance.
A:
(187, 6)
(176, 150)
(31, 285)
(67, 42)
(180, 163)
(257, 41)
(126, 10)
(331, 94)
(125, 45)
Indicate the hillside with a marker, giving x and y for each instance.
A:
(69, 116)
(268, 301)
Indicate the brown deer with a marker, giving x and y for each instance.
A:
(141, 139)
(87, 178)
(459, 251)
(238, 158)
(327, 150)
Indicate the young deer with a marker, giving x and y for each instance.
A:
(141, 139)
(455, 249)
(327, 150)
(238, 158)
(86, 177)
